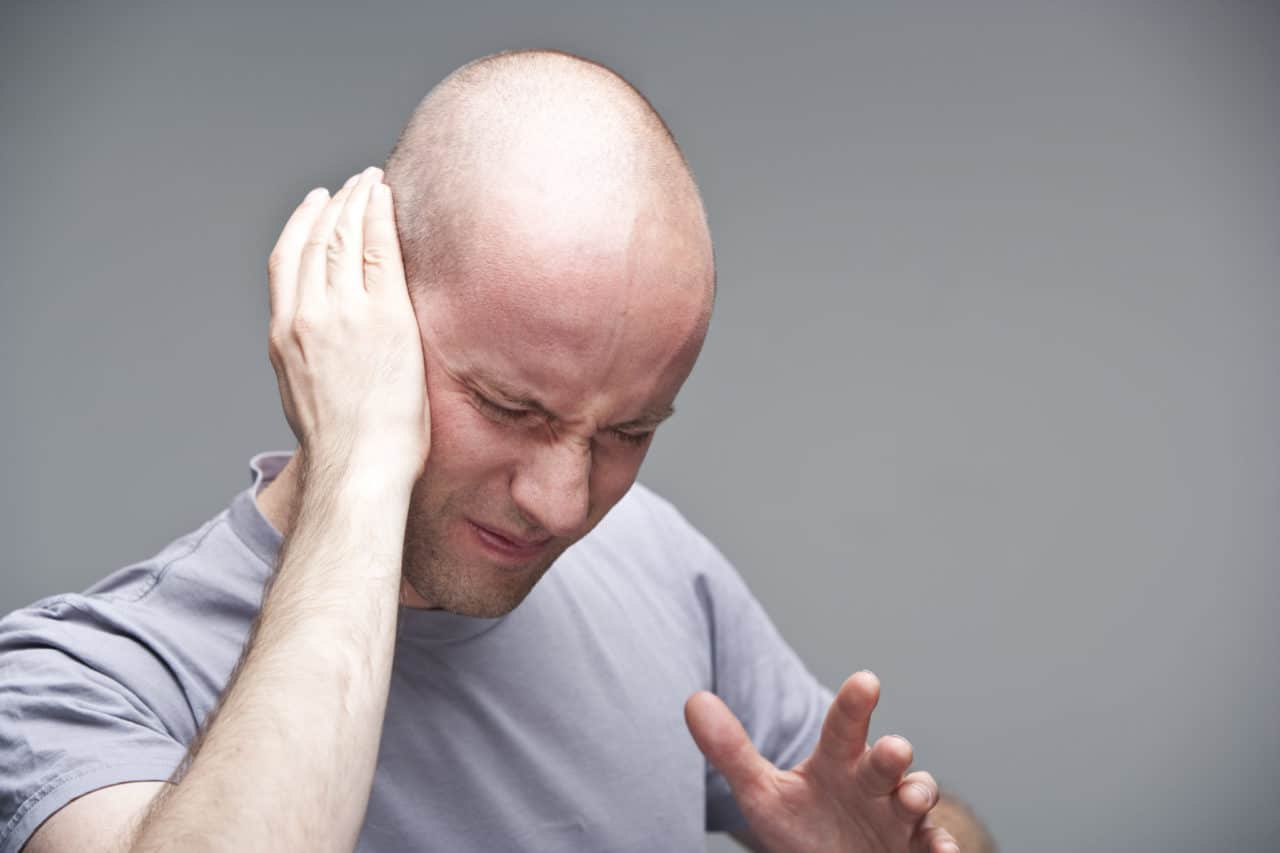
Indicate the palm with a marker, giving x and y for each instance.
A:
(845, 797)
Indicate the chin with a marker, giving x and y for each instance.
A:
(484, 608)
(478, 591)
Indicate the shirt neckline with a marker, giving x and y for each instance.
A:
(265, 541)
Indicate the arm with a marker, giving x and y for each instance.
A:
(286, 760)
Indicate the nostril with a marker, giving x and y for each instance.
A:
(550, 489)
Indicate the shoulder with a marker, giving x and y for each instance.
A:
(110, 684)
(167, 592)
(107, 656)
(89, 701)
(157, 636)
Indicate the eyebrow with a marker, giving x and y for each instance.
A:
(648, 419)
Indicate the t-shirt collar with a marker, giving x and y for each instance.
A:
(435, 626)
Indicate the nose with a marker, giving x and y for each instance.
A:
(552, 487)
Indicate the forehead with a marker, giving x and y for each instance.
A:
(595, 325)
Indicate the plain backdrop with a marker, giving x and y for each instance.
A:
(989, 402)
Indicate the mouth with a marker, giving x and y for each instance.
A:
(506, 546)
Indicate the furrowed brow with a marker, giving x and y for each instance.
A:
(647, 420)
(508, 394)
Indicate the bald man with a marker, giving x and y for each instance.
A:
(367, 649)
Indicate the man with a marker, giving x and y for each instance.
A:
(473, 355)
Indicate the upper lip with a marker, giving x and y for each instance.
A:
(518, 541)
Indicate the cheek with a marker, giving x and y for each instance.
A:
(612, 473)
(463, 441)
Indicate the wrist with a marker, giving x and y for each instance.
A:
(358, 471)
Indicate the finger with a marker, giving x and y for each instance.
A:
(311, 269)
(929, 838)
(844, 731)
(383, 266)
(282, 263)
(880, 768)
(724, 741)
(344, 259)
(915, 795)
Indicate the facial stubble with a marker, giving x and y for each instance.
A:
(453, 583)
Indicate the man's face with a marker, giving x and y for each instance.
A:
(548, 368)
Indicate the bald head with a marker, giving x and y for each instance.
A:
(546, 149)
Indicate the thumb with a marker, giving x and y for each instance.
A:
(724, 741)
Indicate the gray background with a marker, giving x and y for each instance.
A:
(988, 405)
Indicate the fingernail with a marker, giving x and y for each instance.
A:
(928, 797)
(373, 172)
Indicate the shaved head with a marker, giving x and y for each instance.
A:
(541, 143)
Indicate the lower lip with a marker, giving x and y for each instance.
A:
(505, 548)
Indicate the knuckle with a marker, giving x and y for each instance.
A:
(275, 262)
(276, 359)
(305, 322)
(277, 337)
(339, 240)
(375, 255)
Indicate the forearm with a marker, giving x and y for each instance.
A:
(286, 761)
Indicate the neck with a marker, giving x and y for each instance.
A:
(277, 498)
(277, 501)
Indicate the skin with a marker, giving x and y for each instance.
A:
(846, 796)
(585, 301)
(621, 354)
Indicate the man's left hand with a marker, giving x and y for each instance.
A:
(847, 796)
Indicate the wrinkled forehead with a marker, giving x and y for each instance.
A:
(605, 313)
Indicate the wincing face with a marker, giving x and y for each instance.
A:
(548, 371)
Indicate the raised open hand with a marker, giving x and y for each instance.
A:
(846, 796)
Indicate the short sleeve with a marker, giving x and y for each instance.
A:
(753, 669)
(763, 681)
(71, 715)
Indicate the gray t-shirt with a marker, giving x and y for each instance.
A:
(556, 727)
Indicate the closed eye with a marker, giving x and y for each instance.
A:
(501, 413)
(633, 438)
